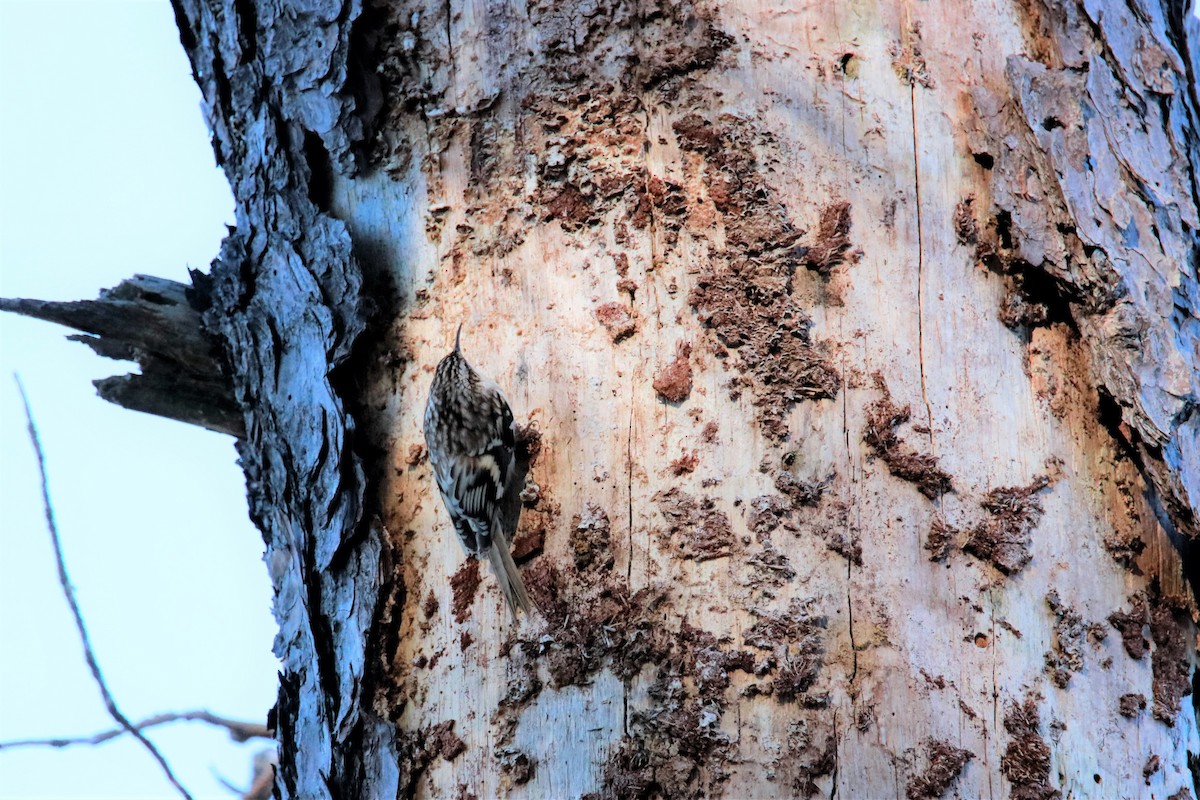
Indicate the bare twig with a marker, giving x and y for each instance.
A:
(238, 731)
(65, 581)
(262, 784)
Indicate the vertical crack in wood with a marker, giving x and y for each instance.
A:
(652, 231)
(629, 545)
(837, 743)
(847, 528)
(987, 761)
(848, 533)
(452, 79)
(987, 741)
(912, 100)
(916, 160)
(629, 498)
(992, 645)
(850, 614)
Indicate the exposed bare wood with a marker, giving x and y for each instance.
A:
(805, 196)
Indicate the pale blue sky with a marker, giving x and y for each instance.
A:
(106, 171)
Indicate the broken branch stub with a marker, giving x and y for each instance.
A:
(157, 323)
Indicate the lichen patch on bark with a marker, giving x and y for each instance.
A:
(940, 539)
(1066, 650)
(945, 763)
(1131, 704)
(674, 381)
(883, 416)
(1131, 624)
(1124, 546)
(464, 584)
(1003, 537)
(618, 320)
(591, 540)
(1026, 759)
(769, 513)
(416, 750)
(1170, 662)
(685, 465)
(696, 528)
(831, 246)
(745, 294)
(676, 744)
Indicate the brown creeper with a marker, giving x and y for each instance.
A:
(471, 436)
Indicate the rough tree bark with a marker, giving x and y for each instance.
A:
(862, 343)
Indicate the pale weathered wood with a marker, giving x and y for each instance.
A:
(553, 149)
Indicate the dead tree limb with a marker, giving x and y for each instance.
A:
(157, 323)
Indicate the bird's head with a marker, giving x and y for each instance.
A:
(453, 370)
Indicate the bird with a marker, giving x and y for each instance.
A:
(470, 435)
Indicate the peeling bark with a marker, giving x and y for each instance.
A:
(1105, 109)
(287, 305)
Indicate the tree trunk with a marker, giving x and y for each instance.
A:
(860, 344)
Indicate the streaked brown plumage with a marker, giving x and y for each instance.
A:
(471, 437)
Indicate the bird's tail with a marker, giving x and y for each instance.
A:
(508, 577)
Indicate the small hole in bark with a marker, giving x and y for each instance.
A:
(247, 19)
(1110, 416)
(1038, 286)
(981, 640)
(985, 160)
(320, 182)
(1004, 229)
(1050, 123)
